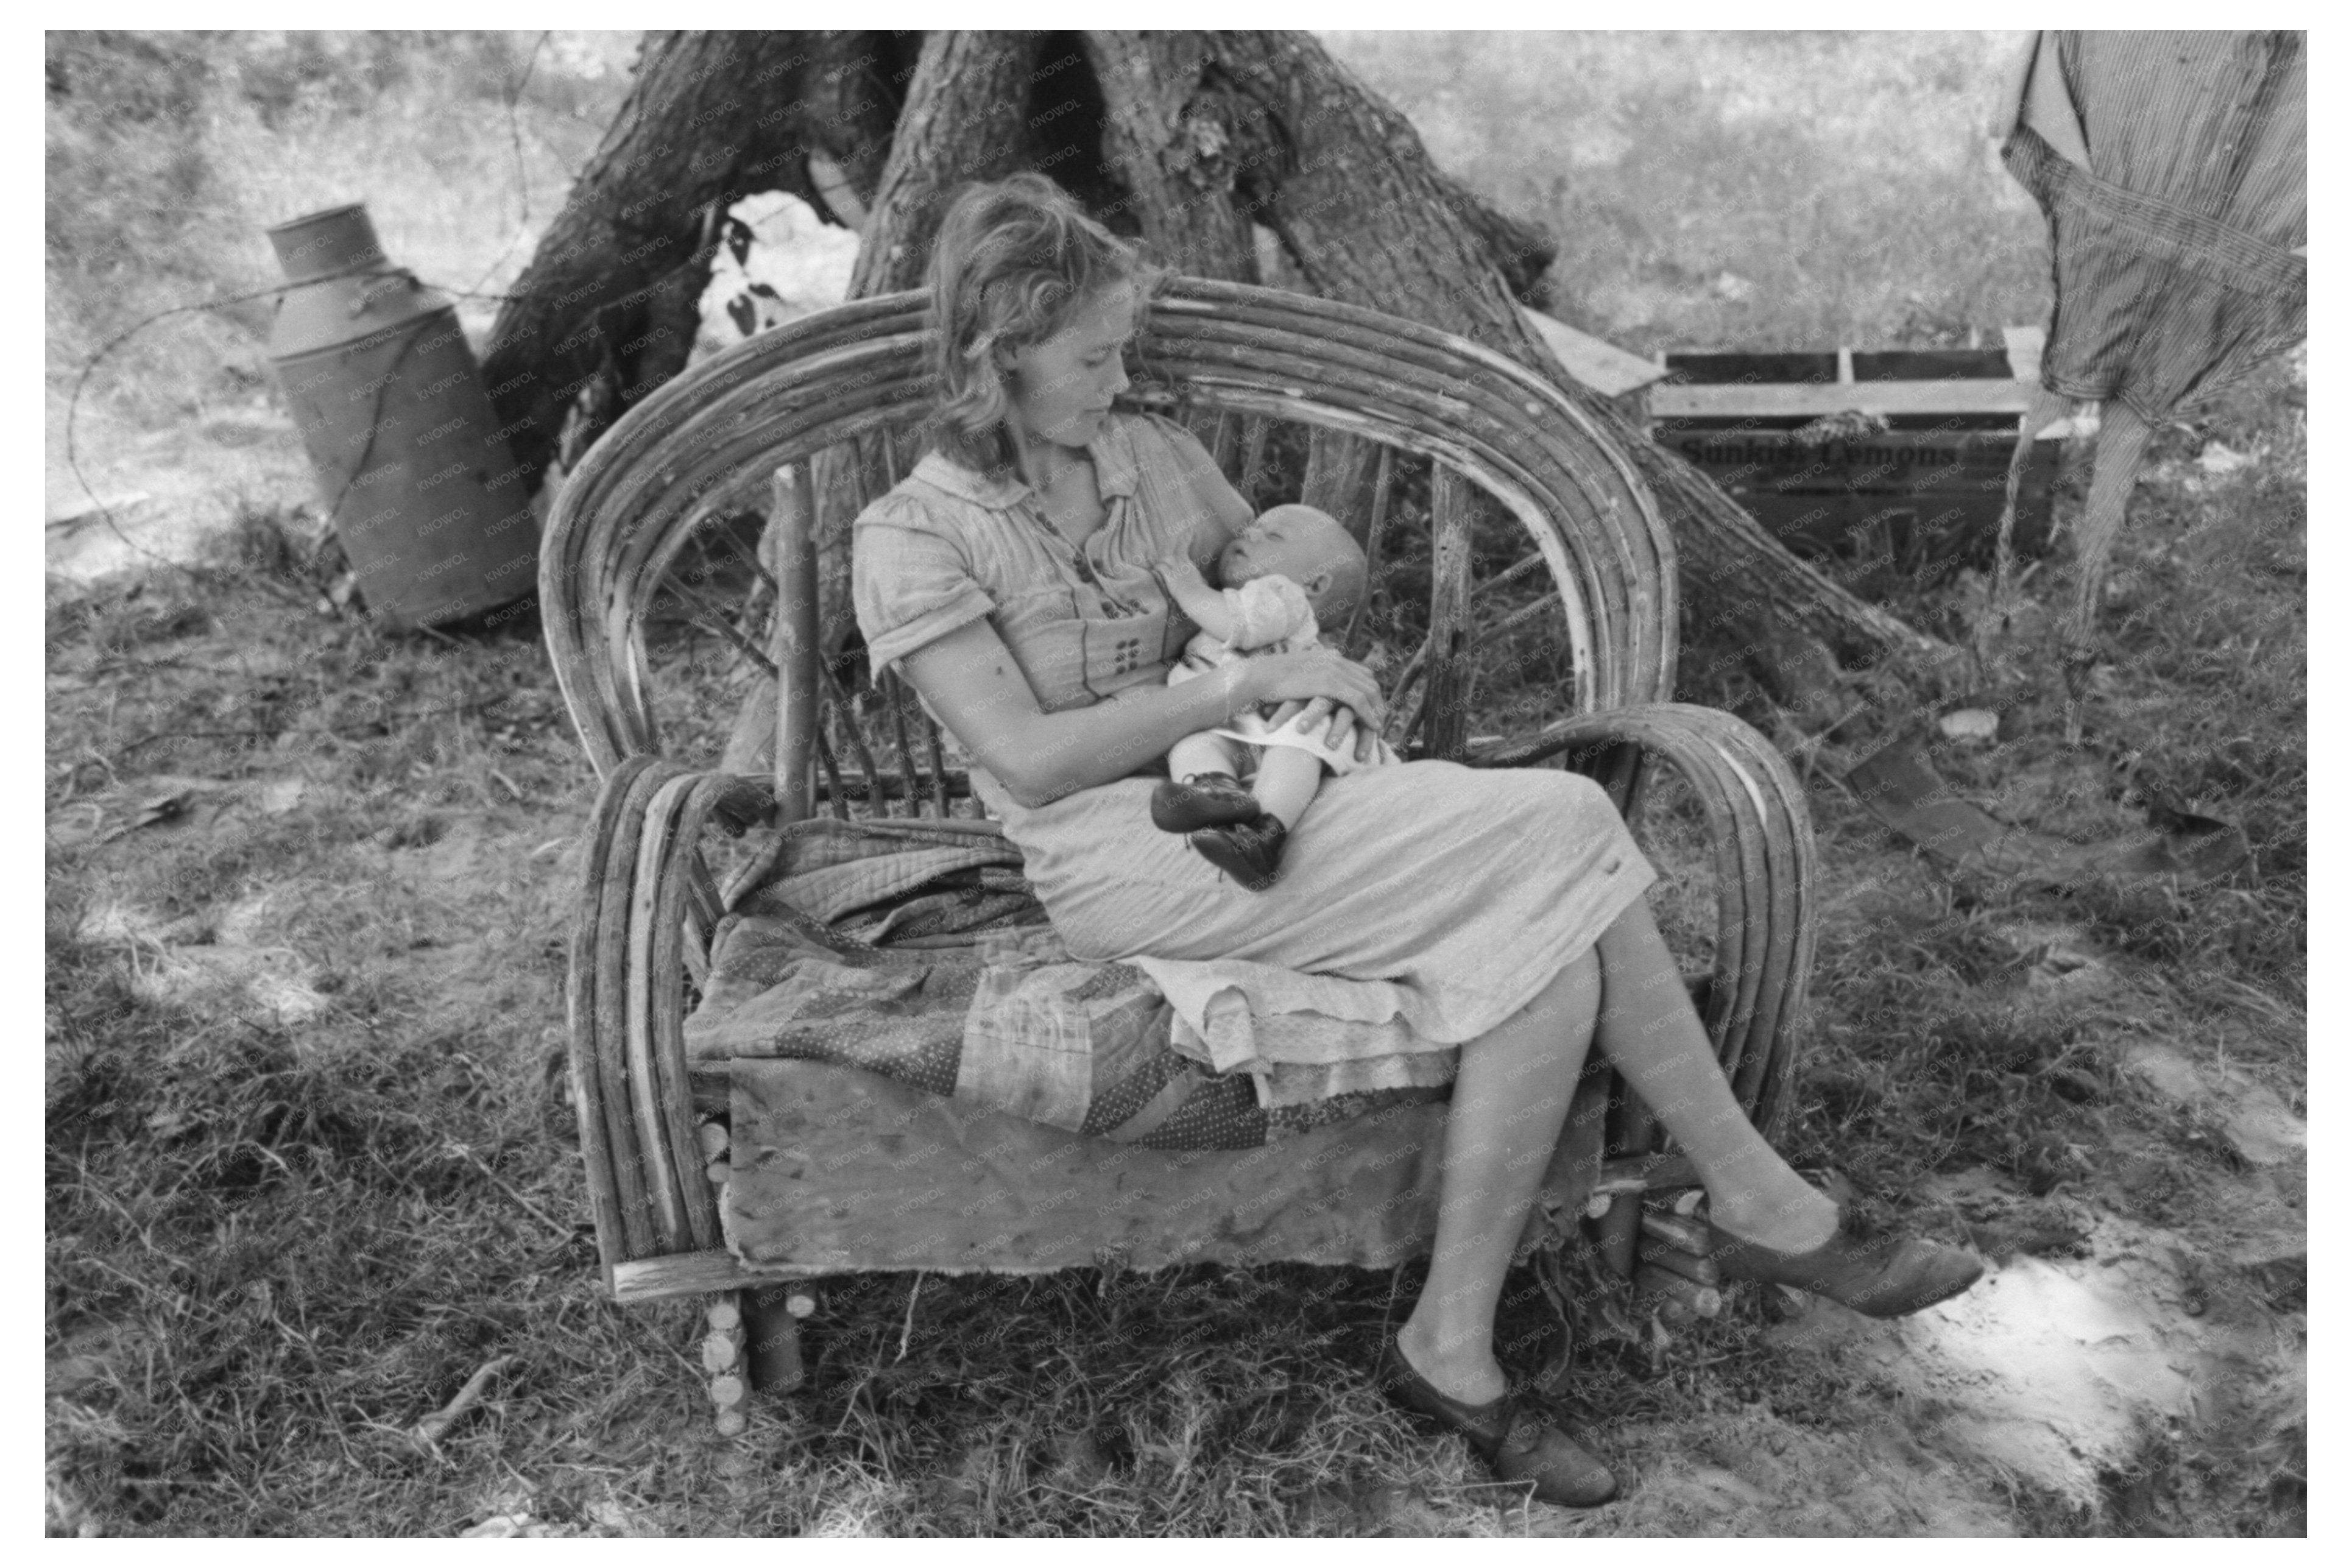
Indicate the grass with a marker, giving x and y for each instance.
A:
(1840, 182)
(308, 887)
(169, 154)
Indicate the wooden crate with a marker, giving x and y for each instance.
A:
(1919, 497)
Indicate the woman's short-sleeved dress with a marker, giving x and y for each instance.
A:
(1420, 904)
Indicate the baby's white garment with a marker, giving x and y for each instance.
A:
(1272, 615)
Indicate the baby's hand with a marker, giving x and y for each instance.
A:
(1181, 573)
(1190, 593)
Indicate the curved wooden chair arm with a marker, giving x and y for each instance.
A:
(1762, 839)
(645, 915)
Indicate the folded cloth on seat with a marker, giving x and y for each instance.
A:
(1301, 1054)
(913, 950)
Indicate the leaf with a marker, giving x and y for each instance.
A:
(162, 808)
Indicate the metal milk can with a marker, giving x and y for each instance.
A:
(411, 464)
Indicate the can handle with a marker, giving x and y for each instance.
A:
(395, 277)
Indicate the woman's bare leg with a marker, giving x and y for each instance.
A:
(1510, 1099)
(1652, 1035)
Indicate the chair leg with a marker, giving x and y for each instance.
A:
(723, 1358)
(1620, 1229)
(775, 1313)
(1678, 1276)
(754, 1345)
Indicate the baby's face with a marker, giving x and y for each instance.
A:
(1271, 545)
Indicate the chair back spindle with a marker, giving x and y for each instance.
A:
(798, 666)
(1383, 487)
(894, 700)
(1226, 443)
(1445, 689)
(1255, 430)
(1340, 472)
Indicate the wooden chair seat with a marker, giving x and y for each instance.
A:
(1523, 614)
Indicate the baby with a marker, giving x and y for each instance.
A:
(1289, 567)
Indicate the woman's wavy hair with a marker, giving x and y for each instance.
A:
(1012, 263)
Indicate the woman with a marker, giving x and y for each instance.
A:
(1495, 916)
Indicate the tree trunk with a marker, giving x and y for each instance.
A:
(1364, 216)
(1192, 141)
(964, 120)
(608, 306)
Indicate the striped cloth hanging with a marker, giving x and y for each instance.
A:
(2174, 250)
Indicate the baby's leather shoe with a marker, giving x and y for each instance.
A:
(1205, 800)
(1249, 852)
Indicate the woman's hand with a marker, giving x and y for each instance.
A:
(1311, 673)
(1342, 722)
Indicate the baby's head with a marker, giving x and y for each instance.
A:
(1308, 546)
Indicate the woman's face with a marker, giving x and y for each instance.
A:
(1061, 388)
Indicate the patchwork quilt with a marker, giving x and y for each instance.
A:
(915, 949)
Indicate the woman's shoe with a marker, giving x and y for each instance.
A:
(1205, 800)
(1249, 852)
(1516, 1440)
(1881, 1278)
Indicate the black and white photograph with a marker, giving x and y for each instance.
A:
(1364, 782)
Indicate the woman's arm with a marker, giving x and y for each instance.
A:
(969, 679)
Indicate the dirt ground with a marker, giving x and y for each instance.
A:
(308, 894)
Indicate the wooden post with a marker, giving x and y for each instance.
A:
(776, 1344)
(1340, 473)
(795, 642)
(1620, 1227)
(1445, 690)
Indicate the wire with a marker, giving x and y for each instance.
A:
(375, 420)
(73, 403)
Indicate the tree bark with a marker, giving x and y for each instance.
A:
(1274, 124)
(1188, 153)
(1188, 141)
(608, 304)
(966, 118)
